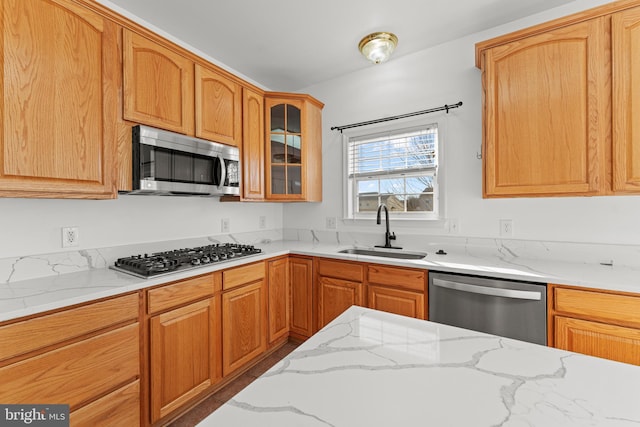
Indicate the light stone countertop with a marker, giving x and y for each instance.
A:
(375, 369)
(28, 297)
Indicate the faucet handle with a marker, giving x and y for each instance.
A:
(392, 236)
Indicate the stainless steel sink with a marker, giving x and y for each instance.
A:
(384, 253)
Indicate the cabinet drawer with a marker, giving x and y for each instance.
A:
(621, 309)
(182, 292)
(76, 373)
(119, 408)
(398, 277)
(33, 334)
(242, 275)
(341, 270)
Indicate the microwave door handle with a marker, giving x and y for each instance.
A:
(486, 290)
(223, 172)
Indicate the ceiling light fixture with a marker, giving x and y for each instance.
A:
(378, 47)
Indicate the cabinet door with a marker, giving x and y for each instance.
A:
(243, 325)
(335, 296)
(626, 99)
(218, 107)
(253, 146)
(301, 285)
(278, 271)
(158, 85)
(546, 113)
(398, 301)
(184, 353)
(285, 149)
(598, 339)
(58, 77)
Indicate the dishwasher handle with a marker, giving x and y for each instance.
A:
(486, 290)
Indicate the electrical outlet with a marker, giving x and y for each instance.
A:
(262, 222)
(454, 226)
(70, 236)
(225, 225)
(506, 227)
(332, 222)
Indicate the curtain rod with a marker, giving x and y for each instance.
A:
(402, 116)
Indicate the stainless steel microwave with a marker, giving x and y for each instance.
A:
(167, 163)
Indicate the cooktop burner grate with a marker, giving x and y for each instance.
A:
(166, 262)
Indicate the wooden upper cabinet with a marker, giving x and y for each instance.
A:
(218, 107)
(626, 99)
(546, 113)
(59, 106)
(158, 85)
(253, 145)
(293, 159)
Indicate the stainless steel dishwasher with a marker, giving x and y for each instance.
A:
(501, 307)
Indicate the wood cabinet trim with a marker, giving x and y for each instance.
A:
(575, 18)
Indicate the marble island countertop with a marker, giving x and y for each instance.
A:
(369, 368)
(20, 298)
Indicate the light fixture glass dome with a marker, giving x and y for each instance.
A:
(378, 47)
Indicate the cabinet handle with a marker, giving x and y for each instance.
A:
(485, 290)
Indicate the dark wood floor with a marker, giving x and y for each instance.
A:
(216, 400)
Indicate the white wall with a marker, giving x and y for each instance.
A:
(32, 226)
(444, 75)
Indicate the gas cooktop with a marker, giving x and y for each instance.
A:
(167, 262)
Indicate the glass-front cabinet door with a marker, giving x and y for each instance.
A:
(285, 149)
(293, 149)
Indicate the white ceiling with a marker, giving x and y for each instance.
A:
(288, 45)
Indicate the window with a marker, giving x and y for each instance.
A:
(397, 168)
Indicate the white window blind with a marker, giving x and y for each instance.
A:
(397, 168)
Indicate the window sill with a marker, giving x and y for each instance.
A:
(399, 222)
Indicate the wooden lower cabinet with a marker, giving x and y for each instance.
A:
(301, 287)
(335, 296)
(397, 290)
(398, 301)
(601, 324)
(184, 355)
(278, 284)
(243, 325)
(119, 408)
(341, 284)
(87, 357)
(598, 339)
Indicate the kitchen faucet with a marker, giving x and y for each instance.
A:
(388, 236)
